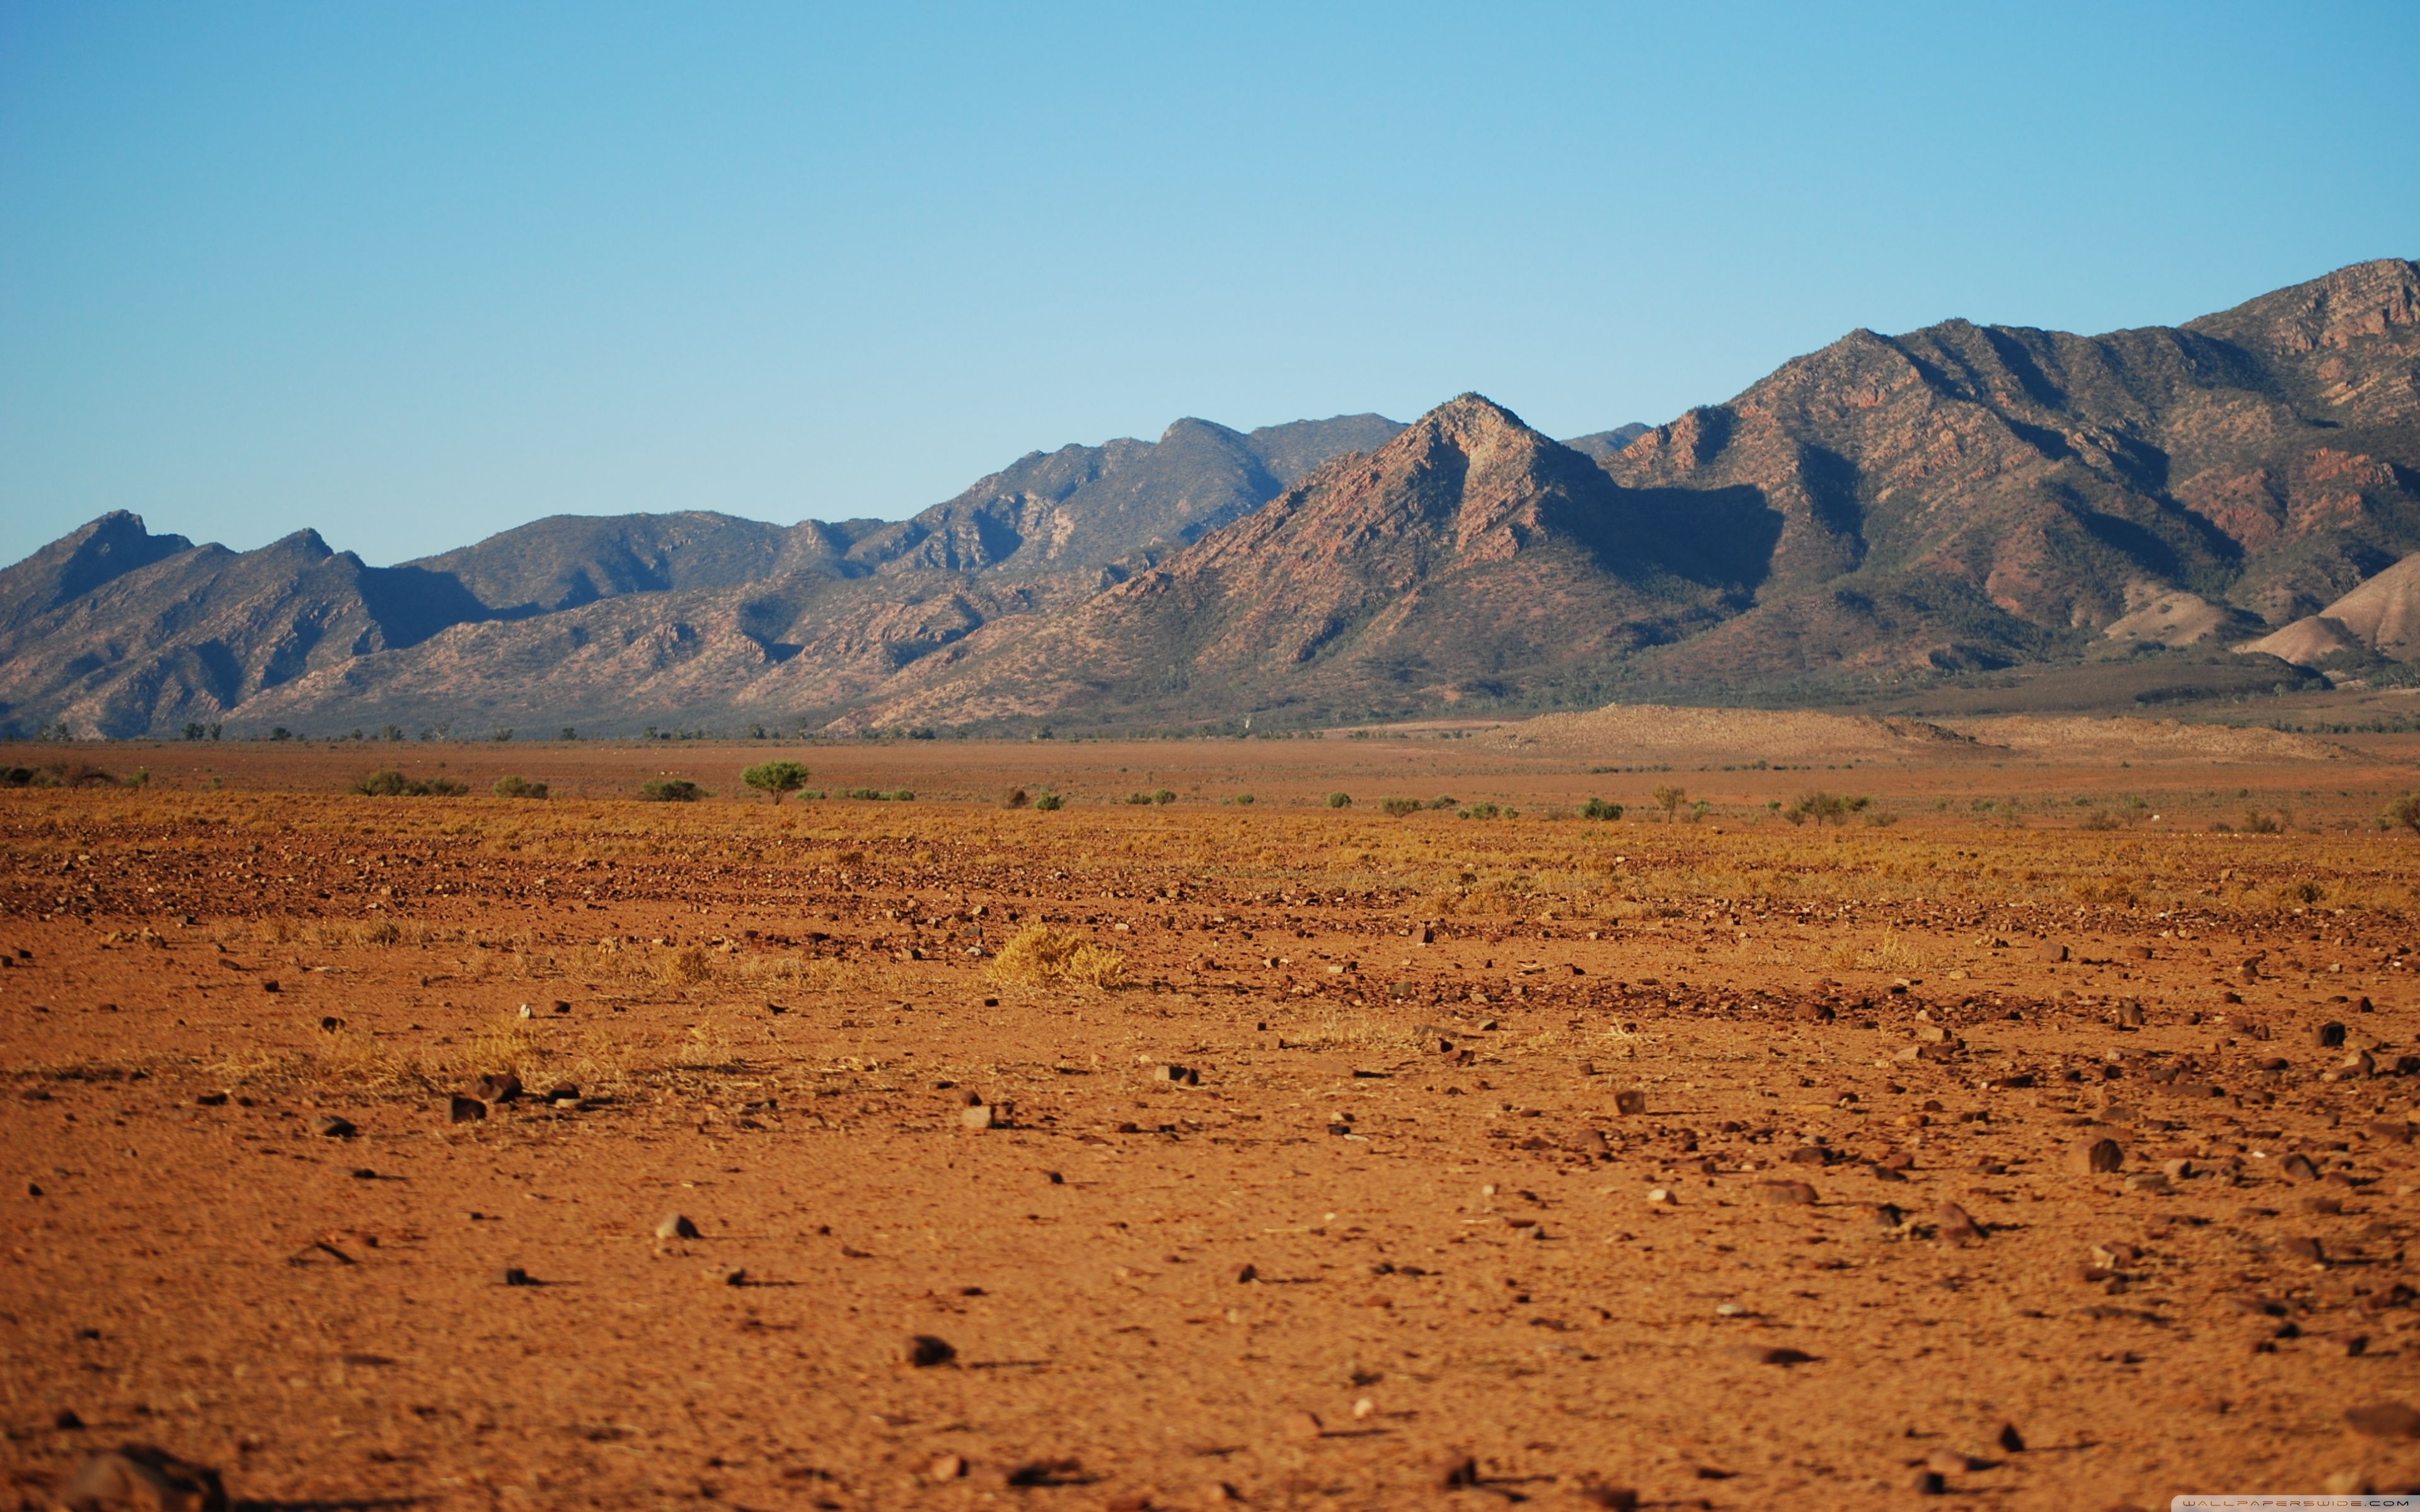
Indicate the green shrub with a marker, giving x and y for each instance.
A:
(670, 790)
(1824, 807)
(1050, 803)
(1400, 808)
(1599, 809)
(1339, 800)
(1015, 798)
(879, 794)
(2404, 811)
(1441, 803)
(519, 787)
(390, 783)
(774, 778)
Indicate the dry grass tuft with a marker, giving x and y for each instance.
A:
(1041, 956)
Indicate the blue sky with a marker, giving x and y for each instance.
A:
(413, 273)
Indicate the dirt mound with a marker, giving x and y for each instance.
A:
(1655, 735)
(1651, 735)
(2082, 739)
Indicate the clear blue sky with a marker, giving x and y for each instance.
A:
(415, 273)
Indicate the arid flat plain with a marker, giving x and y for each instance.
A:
(2034, 1134)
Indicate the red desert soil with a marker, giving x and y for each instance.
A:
(1420, 1160)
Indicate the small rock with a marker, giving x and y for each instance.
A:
(333, 1126)
(948, 1467)
(1788, 1193)
(2385, 1420)
(563, 1092)
(513, 1275)
(1929, 1483)
(32, 1189)
(2050, 951)
(1304, 1427)
(466, 1110)
(499, 1087)
(1454, 1471)
(2328, 1035)
(66, 1419)
(1957, 1225)
(1633, 1101)
(2178, 1170)
(2304, 1248)
(2147, 1182)
(923, 1351)
(1596, 1493)
(139, 1478)
(2009, 1440)
(2095, 1157)
(1948, 1462)
(980, 1115)
(728, 1275)
(1767, 1354)
(1246, 1271)
(675, 1225)
(2299, 1168)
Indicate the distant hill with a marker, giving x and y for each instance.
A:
(621, 621)
(1875, 516)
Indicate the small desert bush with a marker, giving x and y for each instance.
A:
(390, 783)
(1339, 800)
(1015, 798)
(1400, 808)
(1051, 802)
(882, 794)
(670, 790)
(1824, 807)
(1041, 956)
(2404, 811)
(774, 778)
(519, 787)
(1599, 809)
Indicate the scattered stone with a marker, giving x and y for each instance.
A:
(2147, 1182)
(1596, 1493)
(499, 1087)
(728, 1275)
(2095, 1157)
(1957, 1225)
(2304, 1248)
(1948, 1462)
(2009, 1440)
(980, 1115)
(1788, 1193)
(513, 1275)
(2385, 1420)
(66, 1420)
(1633, 1101)
(2050, 951)
(1046, 1473)
(563, 1092)
(2298, 1167)
(1767, 1354)
(1455, 1471)
(1304, 1427)
(1929, 1483)
(138, 1478)
(2130, 1013)
(2136, 952)
(466, 1110)
(211, 1100)
(675, 1225)
(923, 1351)
(1246, 1271)
(948, 1467)
(2328, 1035)
(333, 1126)
(1178, 1075)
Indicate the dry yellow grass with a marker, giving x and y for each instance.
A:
(1041, 956)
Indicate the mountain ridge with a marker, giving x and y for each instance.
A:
(1877, 512)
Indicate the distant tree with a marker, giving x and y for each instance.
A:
(774, 778)
(2404, 811)
(1670, 799)
(193, 730)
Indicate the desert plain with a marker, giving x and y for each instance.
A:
(2014, 1116)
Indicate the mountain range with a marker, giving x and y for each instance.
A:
(1882, 511)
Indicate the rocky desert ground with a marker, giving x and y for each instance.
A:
(1973, 1122)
